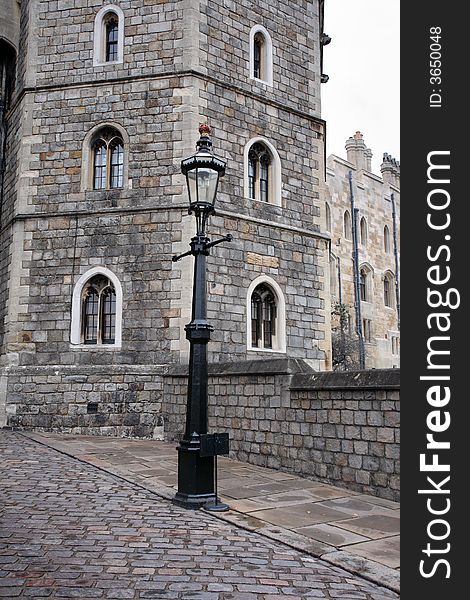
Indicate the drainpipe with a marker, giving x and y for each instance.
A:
(340, 288)
(357, 293)
(395, 252)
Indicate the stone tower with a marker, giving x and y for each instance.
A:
(371, 294)
(104, 102)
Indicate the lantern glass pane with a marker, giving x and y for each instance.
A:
(191, 177)
(207, 185)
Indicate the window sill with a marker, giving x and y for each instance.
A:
(263, 81)
(263, 202)
(89, 347)
(269, 350)
(107, 63)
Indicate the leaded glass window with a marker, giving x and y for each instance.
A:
(112, 38)
(90, 316)
(388, 301)
(257, 54)
(117, 163)
(363, 285)
(108, 159)
(259, 173)
(99, 175)
(99, 311)
(263, 317)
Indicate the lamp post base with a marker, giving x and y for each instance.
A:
(216, 506)
(195, 478)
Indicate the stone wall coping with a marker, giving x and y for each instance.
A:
(268, 366)
(383, 379)
(75, 370)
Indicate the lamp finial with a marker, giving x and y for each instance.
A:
(204, 130)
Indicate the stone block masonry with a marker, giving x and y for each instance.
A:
(122, 401)
(179, 63)
(341, 428)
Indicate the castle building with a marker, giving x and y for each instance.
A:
(362, 212)
(100, 102)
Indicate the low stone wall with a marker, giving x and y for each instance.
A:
(341, 428)
(122, 401)
(353, 438)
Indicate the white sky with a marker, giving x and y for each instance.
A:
(363, 62)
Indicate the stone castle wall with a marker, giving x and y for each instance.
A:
(342, 428)
(180, 66)
(122, 402)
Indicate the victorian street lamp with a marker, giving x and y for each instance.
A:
(196, 472)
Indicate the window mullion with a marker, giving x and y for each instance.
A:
(99, 319)
(260, 325)
(108, 166)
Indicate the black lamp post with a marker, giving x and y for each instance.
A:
(196, 472)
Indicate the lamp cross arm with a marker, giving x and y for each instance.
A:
(226, 238)
(178, 257)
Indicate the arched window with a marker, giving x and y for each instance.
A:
(108, 323)
(261, 55)
(97, 309)
(105, 160)
(387, 239)
(90, 316)
(347, 225)
(257, 52)
(262, 172)
(108, 159)
(388, 290)
(263, 317)
(111, 23)
(266, 316)
(333, 275)
(365, 284)
(327, 217)
(363, 229)
(259, 167)
(109, 36)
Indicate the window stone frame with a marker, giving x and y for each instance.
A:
(267, 54)
(369, 287)
(347, 225)
(390, 277)
(76, 317)
(99, 36)
(387, 240)
(279, 340)
(275, 176)
(88, 158)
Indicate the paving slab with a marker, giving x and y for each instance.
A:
(379, 501)
(334, 536)
(358, 508)
(373, 526)
(245, 491)
(300, 515)
(314, 517)
(290, 498)
(388, 549)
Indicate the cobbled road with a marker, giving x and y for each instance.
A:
(69, 530)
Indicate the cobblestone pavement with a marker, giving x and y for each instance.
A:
(68, 530)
